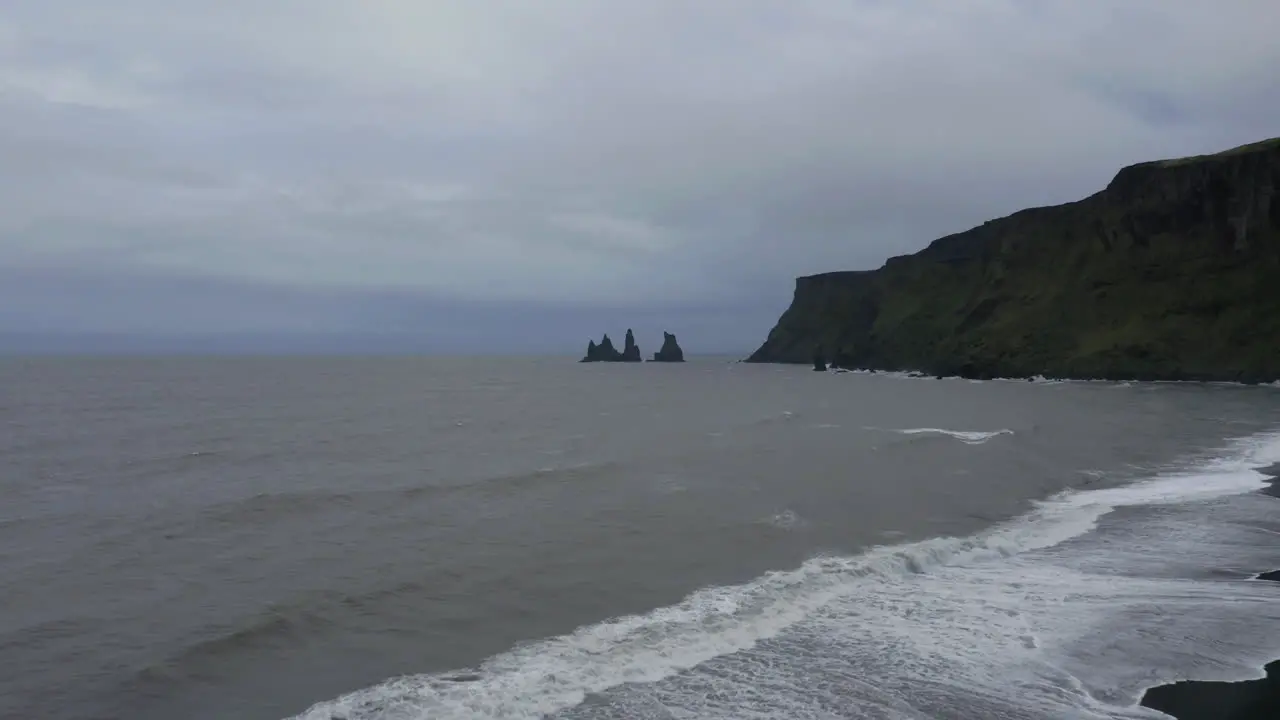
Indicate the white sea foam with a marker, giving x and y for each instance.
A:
(781, 643)
(972, 437)
(785, 520)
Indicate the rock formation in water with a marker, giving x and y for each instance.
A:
(1172, 272)
(630, 351)
(819, 361)
(670, 351)
(606, 352)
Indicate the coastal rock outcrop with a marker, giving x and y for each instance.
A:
(606, 352)
(670, 351)
(1172, 272)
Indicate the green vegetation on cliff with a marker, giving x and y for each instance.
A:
(1171, 272)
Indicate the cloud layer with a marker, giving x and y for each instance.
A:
(663, 158)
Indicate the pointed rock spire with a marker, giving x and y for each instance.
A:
(630, 351)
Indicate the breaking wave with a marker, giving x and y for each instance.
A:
(557, 674)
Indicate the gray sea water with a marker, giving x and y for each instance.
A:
(526, 538)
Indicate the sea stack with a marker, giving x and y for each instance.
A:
(819, 362)
(606, 352)
(670, 351)
(630, 351)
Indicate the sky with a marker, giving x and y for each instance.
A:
(520, 176)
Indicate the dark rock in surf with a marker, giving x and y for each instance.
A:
(819, 362)
(670, 351)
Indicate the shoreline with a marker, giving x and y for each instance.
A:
(1214, 700)
(1236, 379)
(1200, 700)
(1272, 471)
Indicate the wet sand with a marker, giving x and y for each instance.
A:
(1272, 471)
(1247, 700)
(1193, 700)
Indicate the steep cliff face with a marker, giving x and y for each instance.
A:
(1171, 272)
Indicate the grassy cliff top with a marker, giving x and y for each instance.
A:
(1260, 146)
(1170, 272)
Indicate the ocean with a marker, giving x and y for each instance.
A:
(411, 538)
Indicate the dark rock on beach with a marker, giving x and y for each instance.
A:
(1172, 272)
(1273, 576)
(670, 351)
(1194, 700)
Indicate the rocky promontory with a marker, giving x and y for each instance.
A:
(1172, 272)
(670, 351)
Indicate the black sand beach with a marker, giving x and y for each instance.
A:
(1248, 700)
(1272, 471)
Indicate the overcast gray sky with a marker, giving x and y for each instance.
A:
(497, 172)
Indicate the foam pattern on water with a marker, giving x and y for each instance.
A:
(1022, 621)
(972, 437)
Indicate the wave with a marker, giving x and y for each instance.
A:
(971, 437)
(43, 633)
(547, 676)
(274, 506)
(277, 626)
(780, 416)
(785, 520)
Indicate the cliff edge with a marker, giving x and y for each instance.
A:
(1172, 272)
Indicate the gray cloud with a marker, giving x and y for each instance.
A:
(655, 159)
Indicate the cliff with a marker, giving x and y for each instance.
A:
(1171, 272)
